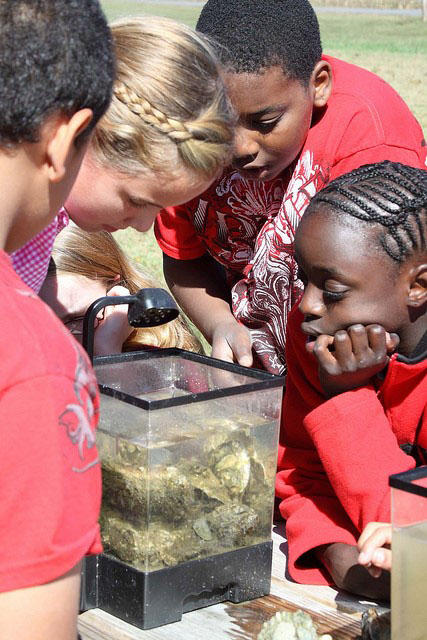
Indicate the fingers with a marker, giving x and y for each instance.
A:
(222, 350)
(118, 290)
(368, 345)
(358, 347)
(114, 328)
(320, 348)
(367, 532)
(232, 342)
(392, 342)
(239, 352)
(242, 348)
(373, 546)
(381, 560)
(344, 353)
(372, 342)
(376, 534)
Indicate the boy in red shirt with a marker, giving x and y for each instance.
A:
(361, 253)
(56, 75)
(304, 119)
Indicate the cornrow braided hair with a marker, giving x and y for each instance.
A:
(388, 194)
(174, 129)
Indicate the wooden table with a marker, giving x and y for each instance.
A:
(333, 612)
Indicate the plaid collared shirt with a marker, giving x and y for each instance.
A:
(32, 260)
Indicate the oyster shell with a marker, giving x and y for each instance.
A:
(232, 523)
(125, 488)
(374, 626)
(285, 625)
(208, 490)
(201, 528)
(148, 549)
(130, 453)
(230, 460)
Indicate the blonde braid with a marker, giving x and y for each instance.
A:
(170, 110)
(174, 129)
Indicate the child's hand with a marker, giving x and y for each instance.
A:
(374, 546)
(232, 342)
(351, 357)
(114, 328)
(341, 560)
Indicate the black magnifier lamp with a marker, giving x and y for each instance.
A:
(147, 308)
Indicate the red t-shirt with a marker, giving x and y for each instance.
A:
(336, 456)
(250, 227)
(50, 479)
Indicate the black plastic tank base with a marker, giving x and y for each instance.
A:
(149, 600)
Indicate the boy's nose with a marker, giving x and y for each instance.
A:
(312, 305)
(245, 147)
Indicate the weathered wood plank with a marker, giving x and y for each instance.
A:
(223, 621)
(333, 612)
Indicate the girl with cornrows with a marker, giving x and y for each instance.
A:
(167, 134)
(356, 396)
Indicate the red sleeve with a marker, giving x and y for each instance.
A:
(50, 480)
(313, 513)
(175, 234)
(359, 452)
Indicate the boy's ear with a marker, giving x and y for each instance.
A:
(417, 295)
(321, 80)
(61, 137)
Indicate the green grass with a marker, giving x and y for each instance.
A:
(373, 34)
(393, 47)
(118, 9)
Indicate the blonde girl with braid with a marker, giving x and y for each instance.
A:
(86, 266)
(166, 136)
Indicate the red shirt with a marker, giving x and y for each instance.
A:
(250, 227)
(335, 456)
(50, 479)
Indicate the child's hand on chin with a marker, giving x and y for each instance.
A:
(351, 357)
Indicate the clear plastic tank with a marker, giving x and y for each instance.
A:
(409, 548)
(188, 447)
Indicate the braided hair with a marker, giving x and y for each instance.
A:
(388, 194)
(176, 130)
(170, 107)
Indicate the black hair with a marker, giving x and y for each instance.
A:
(388, 194)
(55, 56)
(255, 35)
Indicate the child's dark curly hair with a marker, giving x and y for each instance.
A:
(56, 56)
(388, 194)
(255, 35)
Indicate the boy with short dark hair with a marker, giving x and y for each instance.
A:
(304, 119)
(56, 74)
